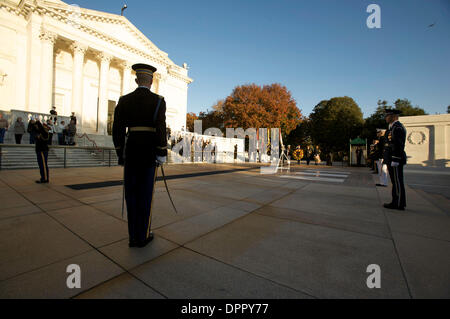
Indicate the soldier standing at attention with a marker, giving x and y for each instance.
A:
(140, 150)
(394, 157)
(41, 136)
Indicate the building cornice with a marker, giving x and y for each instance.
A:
(62, 13)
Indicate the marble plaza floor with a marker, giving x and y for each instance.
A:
(308, 233)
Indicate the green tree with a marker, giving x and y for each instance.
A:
(211, 119)
(405, 106)
(333, 123)
(375, 121)
(301, 135)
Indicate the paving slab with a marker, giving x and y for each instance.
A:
(194, 227)
(231, 190)
(98, 197)
(332, 204)
(426, 225)
(45, 196)
(124, 286)
(131, 257)
(33, 241)
(95, 227)
(186, 274)
(11, 199)
(268, 196)
(380, 229)
(51, 281)
(426, 263)
(321, 261)
(342, 190)
(60, 204)
(19, 211)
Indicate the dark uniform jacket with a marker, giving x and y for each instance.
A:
(137, 109)
(41, 137)
(394, 146)
(379, 148)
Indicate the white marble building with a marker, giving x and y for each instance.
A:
(79, 60)
(428, 139)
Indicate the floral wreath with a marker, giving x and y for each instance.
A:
(298, 154)
(422, 138)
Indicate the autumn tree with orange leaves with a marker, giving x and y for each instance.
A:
(269, 106)
(190, 118)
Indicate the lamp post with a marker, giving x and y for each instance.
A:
(123, 9)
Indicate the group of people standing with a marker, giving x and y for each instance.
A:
(41, 135)
(65, 132)
(310, 154)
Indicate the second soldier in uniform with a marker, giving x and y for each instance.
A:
(140, 150)
(394, 157)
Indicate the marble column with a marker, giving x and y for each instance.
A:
(46, 75)
(126, 77)
(79, 50)
(102, 115)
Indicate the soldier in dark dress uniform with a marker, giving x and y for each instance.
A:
(41, 137)
(140, 150)
(394, 157)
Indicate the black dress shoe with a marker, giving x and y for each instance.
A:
(390, 206)
(42, 182)
(381, 185)
(145, 242)
(132, 244)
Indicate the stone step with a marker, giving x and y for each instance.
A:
(25, 157)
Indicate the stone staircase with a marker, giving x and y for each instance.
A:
(24, 157)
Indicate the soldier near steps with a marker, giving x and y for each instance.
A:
(394, 157)
(140, 150)
(41, 135)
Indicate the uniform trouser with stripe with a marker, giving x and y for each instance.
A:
(139, 184)
(382, 172)
(398, 186)
(43, 165)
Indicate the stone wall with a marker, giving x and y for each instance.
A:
(428, 140)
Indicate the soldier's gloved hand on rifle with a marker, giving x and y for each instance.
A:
(395, 164)
(160, 160)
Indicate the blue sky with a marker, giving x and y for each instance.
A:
(318, 49)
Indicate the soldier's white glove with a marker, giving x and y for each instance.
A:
(161, 159)
(395, 164)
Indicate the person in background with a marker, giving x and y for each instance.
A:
(41, 147)
(19, 130)
(51, 131)
(71, 132)
(54, 114)
(3, 127)
(358, 156)
(316, 156)
(73, 118)
(382, 167)
(308, 155)
(60, 131)
(30, 130)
